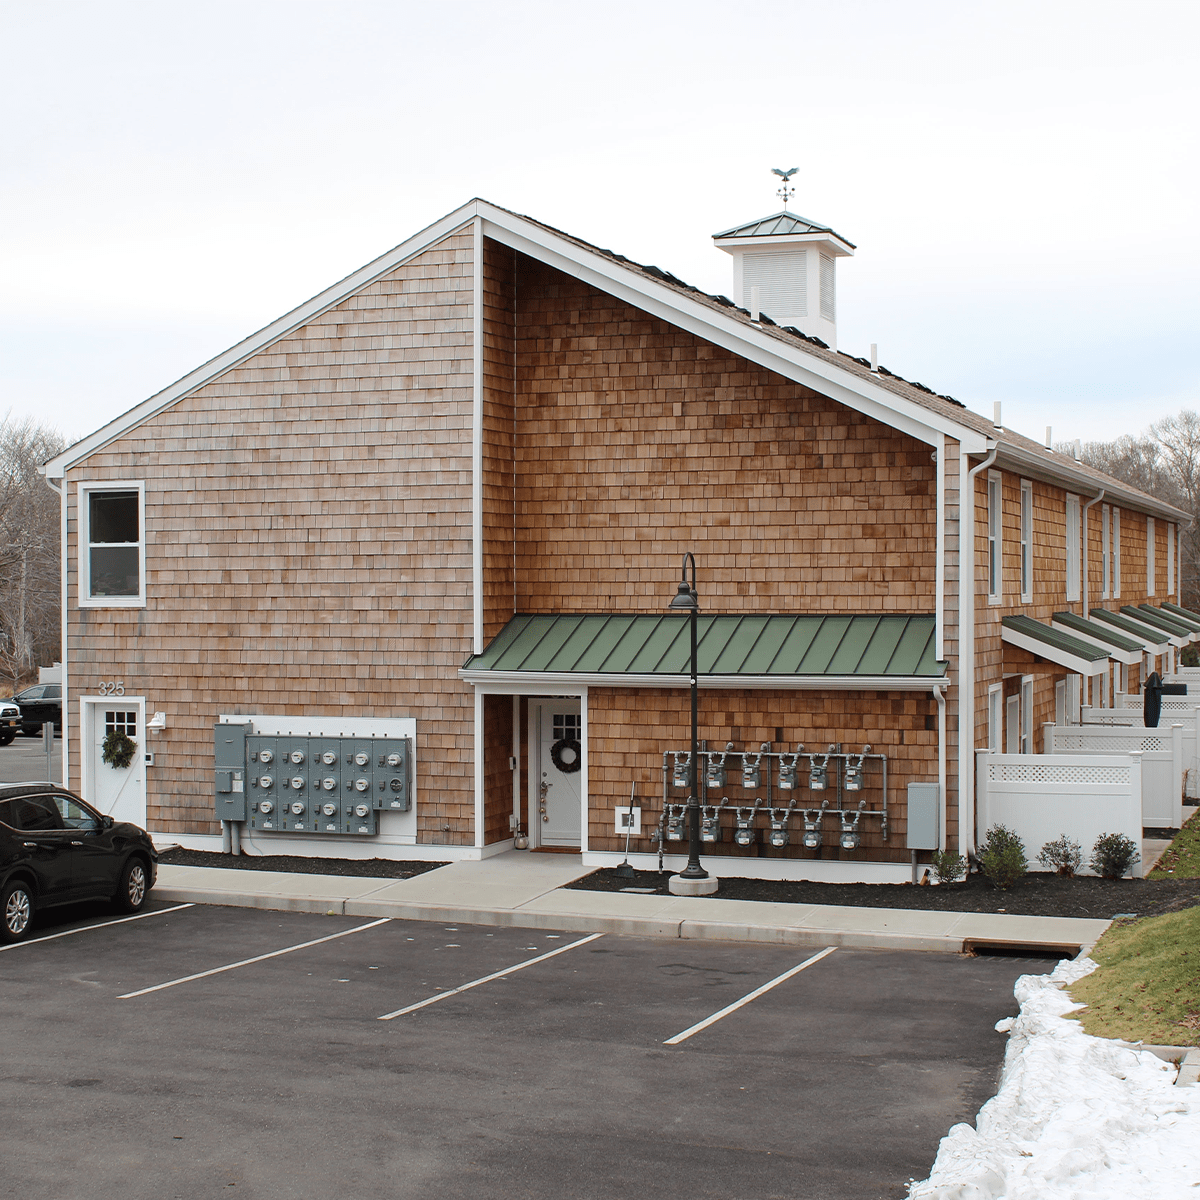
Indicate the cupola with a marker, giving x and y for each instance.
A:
(786, 266)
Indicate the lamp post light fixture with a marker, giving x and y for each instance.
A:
(693, 880)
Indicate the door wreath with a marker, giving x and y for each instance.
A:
(118, 750)
(563, 747)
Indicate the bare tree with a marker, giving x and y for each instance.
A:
(30, 568)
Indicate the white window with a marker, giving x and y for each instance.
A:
(1149, 556)
(995, 716)
(1026, 542)
(1116, 553)
(1105, 554)
(995, 565)
(1026, 715)
(112, 559)
(1072, 547)
(1170, 559)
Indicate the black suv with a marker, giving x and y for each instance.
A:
(55, 849)
(10, 721)
(39, 704)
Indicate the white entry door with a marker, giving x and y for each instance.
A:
(119, 792)
(556, 753)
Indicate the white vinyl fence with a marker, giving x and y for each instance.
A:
(1163, 761)
(1182, 709)
(1043, 796)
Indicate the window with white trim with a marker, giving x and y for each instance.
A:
(995, 717)
(1105, 556)
(112, 559)
(1026, 542)
(1116, 552)
(1170, 558)
(1149, 556)
(995, 515)
(1072, 547)
(1026, 714)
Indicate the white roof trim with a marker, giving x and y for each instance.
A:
(1082, 666)
(783, 683)
(235, 355)
(626, 283)
(662, 300)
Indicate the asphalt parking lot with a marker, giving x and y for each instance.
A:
(25, 758)
(198, 1050)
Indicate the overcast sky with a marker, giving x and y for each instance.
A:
(1020, 178)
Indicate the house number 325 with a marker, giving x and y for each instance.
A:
(115, 688)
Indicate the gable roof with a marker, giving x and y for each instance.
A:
(882, 395)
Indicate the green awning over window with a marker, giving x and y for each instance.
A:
(1053, 645)
(757, 647)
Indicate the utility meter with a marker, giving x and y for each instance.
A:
(297, 808)
(675, 816)
(397, 784)
(362, 759)
(362, 785)
(265, 756)
(362, 810)
(680, 773)
(329, 757)
(329, 783)
(743, 833)
(297, 782)
(265, 806)
(751, 774)
(394, 760)
(330, 810)
(266, 782)
(778, 835)
(710, 825)
(297, 757)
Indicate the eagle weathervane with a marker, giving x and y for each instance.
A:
(786, 192)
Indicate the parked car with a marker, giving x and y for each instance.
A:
(39, 704)
(57, 849)
(10, 720)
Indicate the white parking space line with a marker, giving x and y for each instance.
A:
(158, 912)
(754, 995)
(466, 987)
(158, 987)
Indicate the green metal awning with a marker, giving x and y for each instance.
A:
(1180, 611)
(1053, 645)
(733, 651)
(1153, 639)
(1186, 627)
(1123, 649)
(1178, 634)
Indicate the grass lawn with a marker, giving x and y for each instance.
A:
(1181, 860)
(1147, 987)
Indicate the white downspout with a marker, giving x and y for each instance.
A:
(62, 550)
(939, 693)
(966, 660)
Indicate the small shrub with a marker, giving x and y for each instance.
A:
(1189, 657)
(1064, 856)
(1002, 857)
(1113, 855)
(948, 866)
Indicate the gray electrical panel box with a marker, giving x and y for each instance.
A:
(924, 812)
(293, 783)
(229, 760)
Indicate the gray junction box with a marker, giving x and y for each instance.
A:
(924, 816)
(330, 785)
(229, 759)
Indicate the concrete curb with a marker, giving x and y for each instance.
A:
(684, 929)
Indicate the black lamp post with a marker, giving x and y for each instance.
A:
(686, 601)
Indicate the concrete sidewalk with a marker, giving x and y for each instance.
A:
(527, 890)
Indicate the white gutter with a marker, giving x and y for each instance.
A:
(477, 439)
(782, 683)
(966, 651)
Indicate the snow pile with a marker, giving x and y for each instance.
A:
(1075, 1116)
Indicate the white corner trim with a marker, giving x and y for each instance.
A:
(479, 775)
(477, 435)
(939, 607)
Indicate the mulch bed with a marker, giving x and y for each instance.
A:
(371, 868)
(1041, 894)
